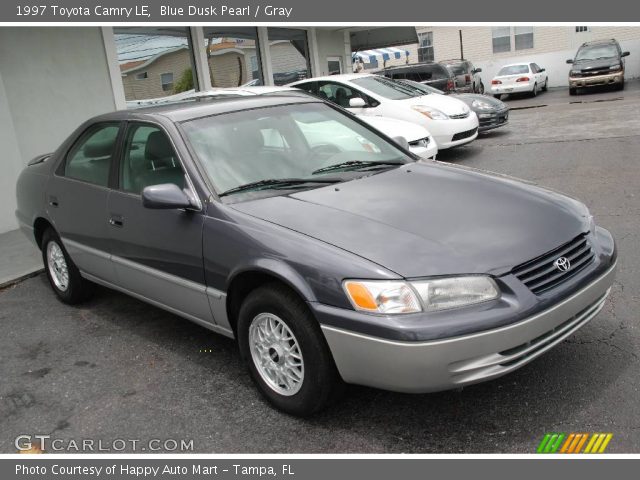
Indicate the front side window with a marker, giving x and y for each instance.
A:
(90, 158)
(148, 159)
(285, 142)
(338, 93)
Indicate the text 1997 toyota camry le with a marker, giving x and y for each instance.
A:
(331, 257)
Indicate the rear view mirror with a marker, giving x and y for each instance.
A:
(402, 142)
(357, 102)
(570, 61)
(625, 54)
(165, 196)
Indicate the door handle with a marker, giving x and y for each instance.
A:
(53, 201)
(116, 221)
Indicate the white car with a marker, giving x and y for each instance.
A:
(418, 139)
(450, 121)
(519, 78)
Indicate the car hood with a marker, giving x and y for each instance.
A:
(444, 103)
(396, 128)
(595, 64)
(426, 219)
(468, 98)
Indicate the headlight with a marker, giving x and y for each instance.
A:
(481, 105)
(615, 67)
(452, 292)
(382, 296)
(574, 73)
(432, 113)
(393, 297)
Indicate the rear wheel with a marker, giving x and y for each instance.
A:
(63, 275)
(481, 88)
(286, 352)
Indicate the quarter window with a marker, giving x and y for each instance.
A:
(90, 158)
(149, 159)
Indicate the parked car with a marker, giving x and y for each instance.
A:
(327, 264)
(467, 77)
(429, 73)
(450, 121)
(411, 135)
(597, 63)
(491, 112)
(519, 78)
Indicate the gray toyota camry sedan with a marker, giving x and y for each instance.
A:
(326, 249)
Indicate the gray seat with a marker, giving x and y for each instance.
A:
(161, 165)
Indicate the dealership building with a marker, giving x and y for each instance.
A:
(54, 78)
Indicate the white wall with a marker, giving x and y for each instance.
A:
(52, 79)
(331, 43)
(556, 66)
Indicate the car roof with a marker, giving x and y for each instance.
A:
(204, 107)
(415, 65)
(345, 77)
(453, 60)
(608, 41)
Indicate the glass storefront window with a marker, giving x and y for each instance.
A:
(233, 56)
(155, 63)
(289, 53)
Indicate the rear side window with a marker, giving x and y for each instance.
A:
(89, 160)
(148, 159)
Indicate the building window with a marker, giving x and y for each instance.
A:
(289, 54)
(501, 38)
(232, 56)
(145, 54)
(523, 37)
(425, 47)
(582, 29)
(166, 80)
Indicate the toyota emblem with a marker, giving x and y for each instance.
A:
(563, 264)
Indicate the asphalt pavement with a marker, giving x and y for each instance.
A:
(116, 368)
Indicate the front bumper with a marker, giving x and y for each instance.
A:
(418, 367)
(593, 81)
(491, 120)
(428, 151)
(446, 132)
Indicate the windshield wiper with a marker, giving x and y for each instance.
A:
(276, 183)
(354, 165)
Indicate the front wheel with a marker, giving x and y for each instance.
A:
(573, 91)
(286, 352)
(534, 93)
(497, 96)
(546, 84)
(63, 275)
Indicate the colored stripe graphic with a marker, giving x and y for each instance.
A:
(574, 443)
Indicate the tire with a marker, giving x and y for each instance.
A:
(546, 83)
(63, 275)
(276, 308)
(573, 91)
(497, 96)
(620, 86)
(534, 93)
(481, 88)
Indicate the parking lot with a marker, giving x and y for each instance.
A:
(116, 368)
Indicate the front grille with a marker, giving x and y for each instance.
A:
(461, 135)
(460, 115)
(423, 142)
(540, 274)
(593, 73)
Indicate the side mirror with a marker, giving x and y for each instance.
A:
(543, 69)
(570, 60)
(625, 54)
(477, 70)
(357, 102)
(402, 142)
(165, 196)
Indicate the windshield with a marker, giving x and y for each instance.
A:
(386, 87)
(513, 70)
(597, 52)
(286, 142)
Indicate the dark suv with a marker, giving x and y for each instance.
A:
(466, 75)
(600, 62)
(432, 74)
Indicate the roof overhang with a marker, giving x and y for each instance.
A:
(381, 37)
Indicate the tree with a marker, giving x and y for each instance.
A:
(185, 83)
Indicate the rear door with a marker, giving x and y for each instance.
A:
(77, 199)
(157, 254)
